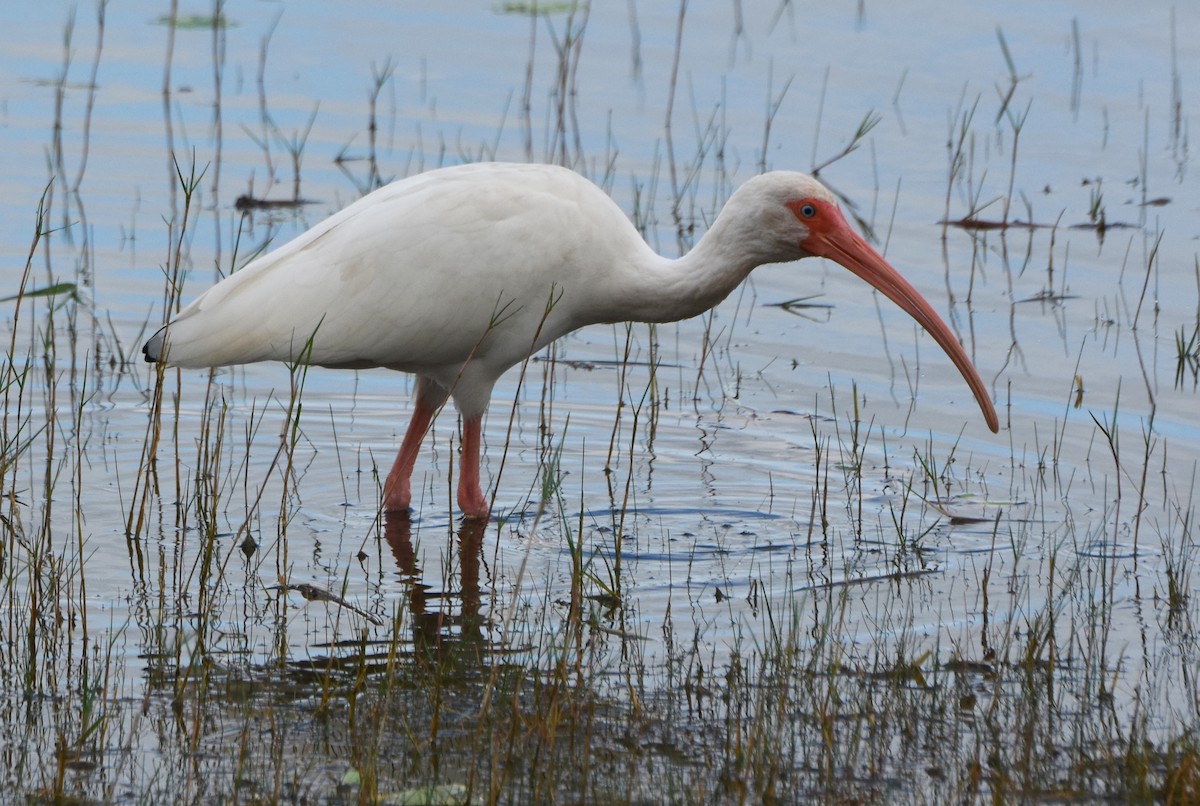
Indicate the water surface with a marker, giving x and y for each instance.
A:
(776, 451)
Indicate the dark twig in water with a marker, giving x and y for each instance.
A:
(247, 202)
(312, 593)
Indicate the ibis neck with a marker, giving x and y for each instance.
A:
(666, 290)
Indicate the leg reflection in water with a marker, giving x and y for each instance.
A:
(435, 626)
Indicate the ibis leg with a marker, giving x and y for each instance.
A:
(470, 495)
(397, 490)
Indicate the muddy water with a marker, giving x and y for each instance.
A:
(738, 468)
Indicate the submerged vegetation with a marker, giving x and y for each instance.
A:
(708, 579)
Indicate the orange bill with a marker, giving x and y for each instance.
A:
(832, 238)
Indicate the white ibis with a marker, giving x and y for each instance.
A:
(458, 274)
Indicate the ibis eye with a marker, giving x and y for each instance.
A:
(807, 210)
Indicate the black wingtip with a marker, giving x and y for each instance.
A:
(152, 349)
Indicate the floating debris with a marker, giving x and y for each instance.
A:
(972, 223)
(312, 593)
(245, 203)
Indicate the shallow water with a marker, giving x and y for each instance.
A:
(720, 466)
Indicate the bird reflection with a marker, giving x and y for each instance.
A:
(435, 626)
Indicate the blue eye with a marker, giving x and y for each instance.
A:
(808, 211)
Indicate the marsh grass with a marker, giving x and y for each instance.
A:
(556, 698)
(491, 668)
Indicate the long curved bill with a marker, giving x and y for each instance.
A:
(841, 244)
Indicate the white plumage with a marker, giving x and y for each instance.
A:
(457, 274)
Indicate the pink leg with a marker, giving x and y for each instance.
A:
(470, 496)
(397, 490)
